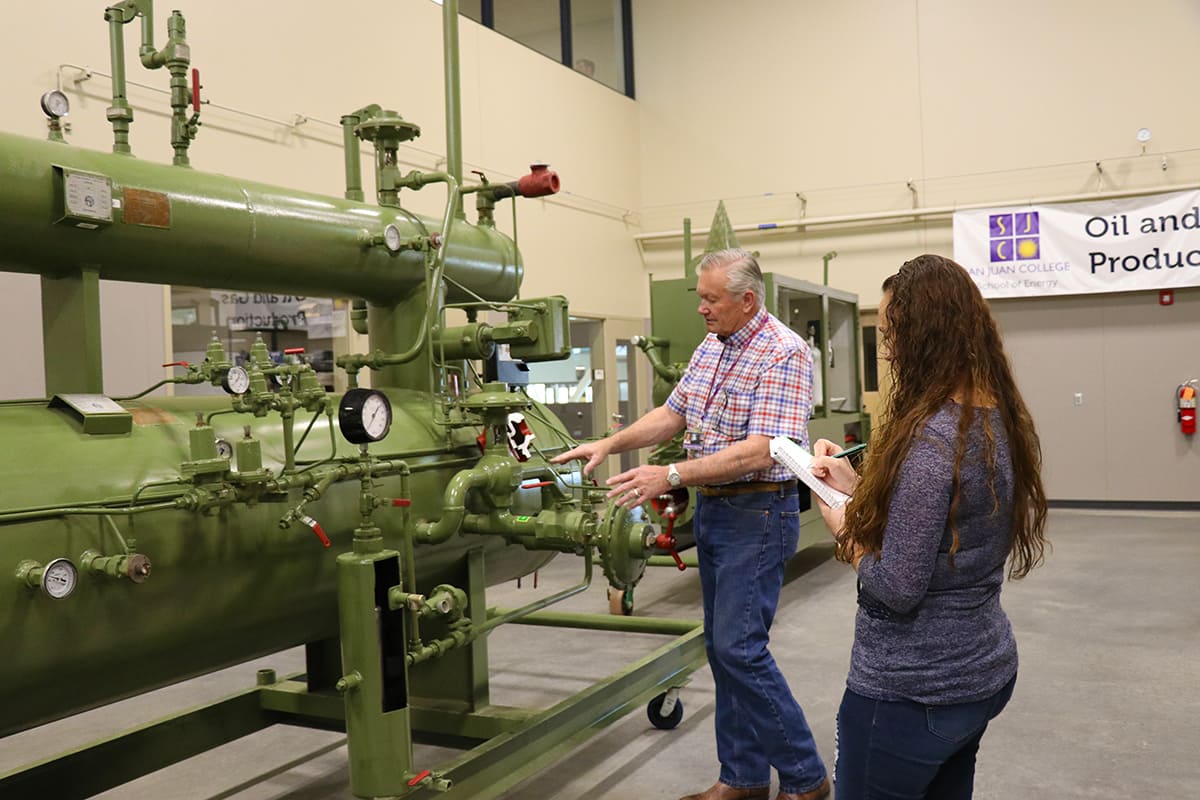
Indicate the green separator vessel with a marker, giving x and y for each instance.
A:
(146, 540)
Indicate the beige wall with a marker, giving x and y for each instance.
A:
(843, 104)
(321, 62)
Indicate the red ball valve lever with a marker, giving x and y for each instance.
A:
(401, 502)
(316, 528)
(177, 364)
(419, 777)
(195, 90)
(294, 351)
(537, 485)
(666, 541)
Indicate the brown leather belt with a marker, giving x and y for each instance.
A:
(752, 487)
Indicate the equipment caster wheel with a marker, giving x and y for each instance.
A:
(666, 710)
(620, 602)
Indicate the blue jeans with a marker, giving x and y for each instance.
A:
(900, 750)
(743, 543)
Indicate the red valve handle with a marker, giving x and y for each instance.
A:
(195, 90)
(177, 364)
(537, 485)
(293, 351)
(401, 502)
(316, 528)
(666, 541)
(420, 776)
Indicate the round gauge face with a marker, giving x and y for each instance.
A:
(237, 381)
(59, 578)
(364, 415)
(391, 238)
(376, 416)
(1143, 135)
(224, 449)
(55, 104)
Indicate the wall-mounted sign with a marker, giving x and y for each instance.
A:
(242, 311)
(1133, 244)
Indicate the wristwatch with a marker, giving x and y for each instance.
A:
(673, 477)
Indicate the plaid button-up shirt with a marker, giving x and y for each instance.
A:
(757, 381)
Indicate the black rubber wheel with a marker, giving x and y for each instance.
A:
(668, 722)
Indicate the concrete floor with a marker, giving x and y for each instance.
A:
(1106, 705)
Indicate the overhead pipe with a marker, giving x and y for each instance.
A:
(454, 159)
(917, 213)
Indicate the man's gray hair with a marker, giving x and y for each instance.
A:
(744, 274)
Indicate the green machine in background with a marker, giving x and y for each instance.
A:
(827, 318)
(145, 540)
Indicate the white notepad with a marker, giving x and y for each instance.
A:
(799, 461)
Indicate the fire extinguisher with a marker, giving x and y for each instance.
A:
(1185, 400)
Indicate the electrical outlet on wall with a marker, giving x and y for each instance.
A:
(1079, 398)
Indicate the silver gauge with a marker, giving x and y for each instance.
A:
(55, 104)
(224, 449)
(59, 578)
(391, 238)
(237, 381)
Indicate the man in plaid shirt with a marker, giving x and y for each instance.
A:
(749, 381)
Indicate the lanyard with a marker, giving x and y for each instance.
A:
(712, 384)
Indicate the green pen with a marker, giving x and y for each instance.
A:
(858, 448)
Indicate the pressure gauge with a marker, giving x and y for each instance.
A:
(391, 238)
(224, 449)
(59, 578)
(364, 415)
(55, 104)
(237, 381)
(1143, 135)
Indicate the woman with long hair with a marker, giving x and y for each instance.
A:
(950, 493)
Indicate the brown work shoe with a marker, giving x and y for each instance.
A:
(720, 791)
(819, 793)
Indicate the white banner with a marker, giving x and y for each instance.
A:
(1134, 244)
(240, 311)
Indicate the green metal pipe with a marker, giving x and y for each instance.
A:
(454, 159)
(120, 114)
(353, 156)
(454, 507)
(604, 622)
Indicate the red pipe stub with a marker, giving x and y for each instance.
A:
(540, 182)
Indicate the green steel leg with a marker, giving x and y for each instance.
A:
(374, 681)
(99, 766)
(71, 333)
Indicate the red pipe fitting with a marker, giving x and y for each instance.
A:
(540, 182)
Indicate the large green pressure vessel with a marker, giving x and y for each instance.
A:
(226, 584)
(63, 208)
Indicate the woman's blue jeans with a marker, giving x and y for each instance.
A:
(899, 750)
(743, 543)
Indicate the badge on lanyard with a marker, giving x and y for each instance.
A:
(692, 440)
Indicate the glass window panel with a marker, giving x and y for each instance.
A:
(596, 41)
(533, 23)
(472, 9)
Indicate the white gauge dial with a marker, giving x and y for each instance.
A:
(59, 578)
(391, 238)
(55, 104)
(1143, 135)
(224, 449)
(237, 380)
(376, 416)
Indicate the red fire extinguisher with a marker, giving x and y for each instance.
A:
(1185, 399)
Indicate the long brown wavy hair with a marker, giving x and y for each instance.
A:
(939, 335)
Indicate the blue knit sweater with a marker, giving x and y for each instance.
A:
(926, 631)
